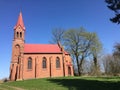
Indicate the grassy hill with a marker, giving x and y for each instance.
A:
(65, 83)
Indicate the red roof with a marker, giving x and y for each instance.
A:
(66, 53)
(20, 22)
(42, 48)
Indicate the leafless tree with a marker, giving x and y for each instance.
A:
(57, 35)
(111, 65)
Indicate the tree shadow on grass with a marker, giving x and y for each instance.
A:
(83, 84)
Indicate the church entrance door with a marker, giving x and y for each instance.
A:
(69, 71)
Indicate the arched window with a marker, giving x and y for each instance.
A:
(17, 50)
(44, 61)
(29, 63)
(20, 34)
(57, 62)
(17, 34)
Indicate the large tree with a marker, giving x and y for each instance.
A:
(95, 49)
(74, 43)
(79, 44)
(114, 5)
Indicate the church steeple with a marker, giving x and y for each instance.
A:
(20, 22)
(19, 29)
(17, 50)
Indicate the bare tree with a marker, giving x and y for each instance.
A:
(106, 60)
(57, 35)
(111, 65)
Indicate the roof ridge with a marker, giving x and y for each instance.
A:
(39, 44)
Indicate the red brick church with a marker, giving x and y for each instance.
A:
(37, 60)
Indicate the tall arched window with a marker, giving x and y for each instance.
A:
(20, 34)
(57, 62)
(17, 34)
(29, 63)
(44, 62)
(17, 50)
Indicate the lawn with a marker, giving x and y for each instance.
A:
(65, 83)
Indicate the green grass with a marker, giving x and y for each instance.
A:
(68, 83)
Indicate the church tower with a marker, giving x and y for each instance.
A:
(17, 50)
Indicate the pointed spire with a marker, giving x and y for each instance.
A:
(20, 22)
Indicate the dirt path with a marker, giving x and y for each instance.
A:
(15, 88)
(11, 87)
(2, 88)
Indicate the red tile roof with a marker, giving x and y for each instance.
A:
(20, 22)
(42, 48)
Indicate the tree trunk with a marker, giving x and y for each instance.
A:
(95, 61)
(80, 69)
(95, 65)
(78, 66)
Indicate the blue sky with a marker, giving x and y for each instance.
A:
(41, 16)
